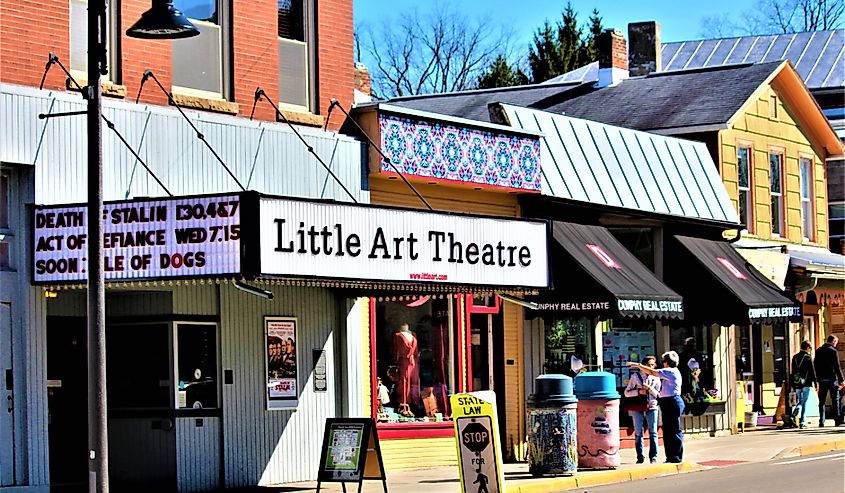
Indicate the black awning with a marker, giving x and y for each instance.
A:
(595, 275)
(720, 286)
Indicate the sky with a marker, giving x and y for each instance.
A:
(680, 20)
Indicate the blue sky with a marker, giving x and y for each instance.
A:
(679, 19)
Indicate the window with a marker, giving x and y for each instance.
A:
(416, 365)
(140, 369)
(693, 343)
(806, 169)
(773, 107)
(837, 221)
(198, 65)
(776, 190)
(294, 58)
(569, 346)
(79, 40)
(746, 208)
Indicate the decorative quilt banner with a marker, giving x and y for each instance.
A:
(467, 155)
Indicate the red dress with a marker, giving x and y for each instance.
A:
(405, 352)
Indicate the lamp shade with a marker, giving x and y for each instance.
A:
(162, 21)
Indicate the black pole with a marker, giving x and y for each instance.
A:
(98, 475)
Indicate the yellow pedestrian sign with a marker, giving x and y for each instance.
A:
(477, 437)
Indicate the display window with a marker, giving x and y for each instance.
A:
(569, 347)
(417, 360)
(696, 362)
(623, 343)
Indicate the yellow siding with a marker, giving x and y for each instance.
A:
(514, 394)
(442, 198)
(416, 453)
(756, 128)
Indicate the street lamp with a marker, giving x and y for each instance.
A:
(162, 21)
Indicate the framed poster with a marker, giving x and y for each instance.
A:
(281, 358)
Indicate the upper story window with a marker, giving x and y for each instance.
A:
(776, 190)
(773, 107)
(746, 207)
(806, 169)
(79, 40)
(295, 40)
(199, 67)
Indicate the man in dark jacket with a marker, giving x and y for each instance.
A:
(830, 379)
(803, 379)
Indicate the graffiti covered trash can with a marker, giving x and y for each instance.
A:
(598, 420)
(551, 424)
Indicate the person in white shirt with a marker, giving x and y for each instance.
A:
(641, 394)
(671, 404)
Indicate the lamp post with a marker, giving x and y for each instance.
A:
(162, 21)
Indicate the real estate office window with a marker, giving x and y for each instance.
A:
(199, 66)
(295, 38)
(746, 206)
(776, 190)
(806, 175)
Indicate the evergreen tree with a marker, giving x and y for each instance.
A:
(593, 31)
(544, 55)
(570, 45)
(501, 74)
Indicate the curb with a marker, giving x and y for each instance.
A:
(602, 477)
(812, 448)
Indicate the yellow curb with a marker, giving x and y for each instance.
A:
(602, 477)
(821, 447)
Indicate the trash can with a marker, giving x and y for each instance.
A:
(598, 420)
(552, 426)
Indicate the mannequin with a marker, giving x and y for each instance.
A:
(405, 352)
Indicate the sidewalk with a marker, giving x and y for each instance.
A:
(752, 446)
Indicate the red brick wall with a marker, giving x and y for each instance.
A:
(30, 29)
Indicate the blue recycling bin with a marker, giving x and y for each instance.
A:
(552, 426)
(598, 420)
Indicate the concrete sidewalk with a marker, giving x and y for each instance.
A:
(752, 446)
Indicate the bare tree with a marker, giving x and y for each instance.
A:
(778, 17)
(439, 51)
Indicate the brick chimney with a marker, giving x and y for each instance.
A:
(363, 88)
(613, 58)
(644, 56)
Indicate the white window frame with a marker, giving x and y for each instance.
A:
(112, 41)
(781, 222)
(749, 197)
(225, 69)
(807, 209)
(309, 22)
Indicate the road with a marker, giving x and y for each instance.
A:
(821, 473)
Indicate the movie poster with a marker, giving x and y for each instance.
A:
(281, 356)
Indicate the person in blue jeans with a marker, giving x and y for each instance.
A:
(803, 378)
(641, 392)
(671, 404)
(829, 376)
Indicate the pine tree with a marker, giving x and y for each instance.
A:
(572, 50)
(593, 31)
(501, 74)
(544, 55)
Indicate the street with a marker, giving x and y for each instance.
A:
(821, 473)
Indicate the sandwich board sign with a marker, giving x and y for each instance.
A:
(350, 453)
(477, 436)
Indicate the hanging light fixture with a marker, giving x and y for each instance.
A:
(162, 21)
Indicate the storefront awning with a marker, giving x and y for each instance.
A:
(720, 286)
(595, 275)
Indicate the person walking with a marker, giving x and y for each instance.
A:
(671, 404)
(641, 402)
(803, 378)
(829, 375)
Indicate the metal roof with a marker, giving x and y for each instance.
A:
(819, 57)
(602, 164)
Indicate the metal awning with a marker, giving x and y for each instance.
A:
(595, 275)
(720, 286)
(618, 167)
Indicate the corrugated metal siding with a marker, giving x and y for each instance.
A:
(414, 453)
(355, 370)
(261, 446)
(140, 454)
(264, 156)
(195, 300)
(197, 454)
(35, 340)
(602, 164)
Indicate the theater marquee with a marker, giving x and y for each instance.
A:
(335, 241)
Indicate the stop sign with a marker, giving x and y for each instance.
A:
(475, 437)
